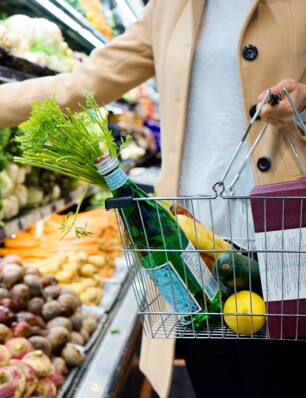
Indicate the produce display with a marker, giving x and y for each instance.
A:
(38, 40)
(93, 11)
(24, 188)
(41, 326)
(81, 265)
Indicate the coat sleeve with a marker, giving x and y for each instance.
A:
(108, 74)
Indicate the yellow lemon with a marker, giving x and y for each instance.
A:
(247, 303)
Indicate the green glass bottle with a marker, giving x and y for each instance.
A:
(181, 277)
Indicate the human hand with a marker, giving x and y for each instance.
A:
(281, 114)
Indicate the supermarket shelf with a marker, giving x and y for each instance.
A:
(24, 221)
(9, 75)
(79, 33)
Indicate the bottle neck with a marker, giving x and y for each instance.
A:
(114, 176)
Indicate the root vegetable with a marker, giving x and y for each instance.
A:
(76, 321)
(10, 304)
(68, 304)
(60, 364)
(21, 294)
(45, 389)
(42, 344)
(48, 279)
(12, 382)
(85, 334)
(11, 274)
(5, 355)
(11, 259)
(32, 270)
(96, 260)
(52, 291)
(88, 270)
(37, 331)
(21, 329)
(90, 325)
(4, 293)
(51, 310)
(5, 314)
(31, 319)
(60, 321)
(19, 347)
(82, 256)
(31, 379)
(34, 284)
(56, 377)
(35, 305)
(70, 291)
(39, 362)
(58, 336)
(72, 356)
(77, 338)
(5, 333)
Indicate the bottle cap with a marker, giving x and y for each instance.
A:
(105, 163)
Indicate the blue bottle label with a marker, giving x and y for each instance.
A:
(173, 288)
(116, 179)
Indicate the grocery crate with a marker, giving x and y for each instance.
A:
(256, 287)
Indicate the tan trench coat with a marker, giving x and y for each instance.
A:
(161, 43)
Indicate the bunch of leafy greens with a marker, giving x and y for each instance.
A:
(67, 143)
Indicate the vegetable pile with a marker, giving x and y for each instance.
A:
(41, 325)
(38, 40)
(80, 264)
(24, 188)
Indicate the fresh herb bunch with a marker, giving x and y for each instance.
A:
(67, 143)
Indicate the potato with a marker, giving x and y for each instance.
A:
(68, 304)
(97, 260)
(72, 356)
(58, 337)
(51, 310)
(88, 270)
(60, 321)
(64, 276)
(82, 255)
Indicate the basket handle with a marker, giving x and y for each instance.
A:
(219, 186)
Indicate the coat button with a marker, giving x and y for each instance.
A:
(264, 163)
(252, 112)
(249, 52)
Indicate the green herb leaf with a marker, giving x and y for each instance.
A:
(67, 143)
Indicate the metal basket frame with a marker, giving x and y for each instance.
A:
(159, 320)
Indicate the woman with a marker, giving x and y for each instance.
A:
(271, 47)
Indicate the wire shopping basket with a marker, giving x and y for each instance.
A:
(234, 278)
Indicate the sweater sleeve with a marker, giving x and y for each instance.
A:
(109, 73)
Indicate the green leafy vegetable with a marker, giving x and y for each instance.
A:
(68, 144)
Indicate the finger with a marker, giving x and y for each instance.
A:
(282, 110)
(290, 84)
